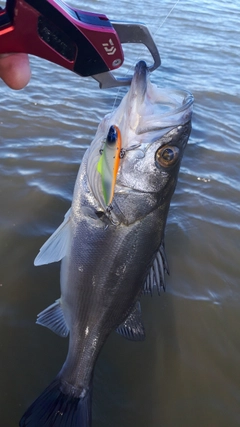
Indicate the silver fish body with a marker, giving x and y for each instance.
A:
(112, 254)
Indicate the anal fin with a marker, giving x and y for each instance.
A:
(53, 318)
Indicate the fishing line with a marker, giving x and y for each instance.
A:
(138, 59)
(169, 13)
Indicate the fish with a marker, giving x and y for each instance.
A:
(111, 244)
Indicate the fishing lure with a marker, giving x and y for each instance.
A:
(108, 164)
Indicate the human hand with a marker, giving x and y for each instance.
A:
(15, 70)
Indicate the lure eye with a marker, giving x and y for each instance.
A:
(167, 156)
(112, 135)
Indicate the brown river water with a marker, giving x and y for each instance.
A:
(187, 372)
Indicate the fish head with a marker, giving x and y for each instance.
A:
(154, 125)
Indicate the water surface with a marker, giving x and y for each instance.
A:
(186, 373)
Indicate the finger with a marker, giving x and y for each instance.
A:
(15, 70)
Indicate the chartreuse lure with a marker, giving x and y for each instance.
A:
(109, 163)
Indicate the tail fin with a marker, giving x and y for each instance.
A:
(53, 408)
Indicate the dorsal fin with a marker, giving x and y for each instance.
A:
(156, 274)
(133, 328)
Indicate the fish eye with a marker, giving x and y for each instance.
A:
(112, 135)
(167, 156)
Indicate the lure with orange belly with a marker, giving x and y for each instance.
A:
(108, 164)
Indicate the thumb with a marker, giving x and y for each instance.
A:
(15, 70)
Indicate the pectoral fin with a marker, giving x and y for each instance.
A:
(133, 328)
(54, 249)
(53, 318)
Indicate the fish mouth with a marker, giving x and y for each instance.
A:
(139, 81)
(141, 72)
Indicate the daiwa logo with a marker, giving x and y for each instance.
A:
(109, 47)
